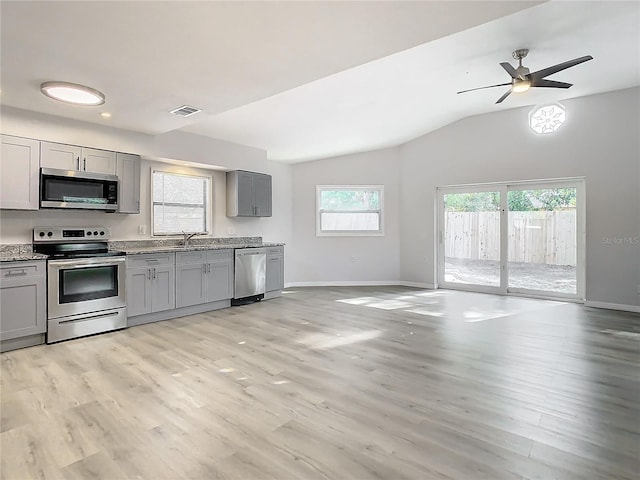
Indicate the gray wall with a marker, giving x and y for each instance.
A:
(328, 260)
(598, 141)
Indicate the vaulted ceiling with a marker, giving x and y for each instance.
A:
(306, 80)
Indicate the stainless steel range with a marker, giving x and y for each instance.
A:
(85, 282)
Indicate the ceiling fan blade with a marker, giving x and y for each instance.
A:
(550, 84)
(545, 72)
(501, 99)
(481, 88)
(510, 70)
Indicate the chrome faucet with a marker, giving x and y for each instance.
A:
(187, 237)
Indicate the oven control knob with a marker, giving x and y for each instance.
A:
(95, 233)
(49, 234)
(88, 233)
(101, 233)
(41, 234)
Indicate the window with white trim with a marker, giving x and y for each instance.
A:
(181, 203)
(343, 210)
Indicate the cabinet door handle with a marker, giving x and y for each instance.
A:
(154, 273)
(148, 274)
(78, 160)
(84, 163)
(16, 273)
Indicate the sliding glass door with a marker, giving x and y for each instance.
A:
(471, 238)
(523, 238)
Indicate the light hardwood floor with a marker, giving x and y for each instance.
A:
(335, 383)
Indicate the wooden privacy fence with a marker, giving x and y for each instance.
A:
(534, 237)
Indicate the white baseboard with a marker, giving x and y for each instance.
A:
(613, 306)
(428, 286)
(368, 283)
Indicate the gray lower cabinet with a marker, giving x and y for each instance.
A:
(220, 271)
(150, 283)
(23, 304)
(275, 269)
(203, 276)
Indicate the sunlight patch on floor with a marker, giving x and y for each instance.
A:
(323, 341)
(390, 304)
(468, 307)
(381, 303)
(425, 311)
(359, 301)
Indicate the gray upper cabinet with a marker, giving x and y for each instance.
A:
(22, 301)
(248, 194)
(72, 157)
(19, 170)
(128, 171)
(262, 195)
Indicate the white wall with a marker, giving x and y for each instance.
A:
(599, 141)
(16, 226)
(328, 259)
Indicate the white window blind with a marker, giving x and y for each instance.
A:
(349, 210)
(180, 203)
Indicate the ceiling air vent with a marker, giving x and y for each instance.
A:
(185, 111)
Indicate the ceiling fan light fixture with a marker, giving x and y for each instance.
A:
(72, 93)
(520, 86)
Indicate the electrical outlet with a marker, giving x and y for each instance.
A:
(142, 229)
(353, 258)
(232, 231)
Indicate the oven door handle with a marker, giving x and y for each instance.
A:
(87, 263)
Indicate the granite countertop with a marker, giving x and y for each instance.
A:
(19, 252)
(24, 251)
(134, 250)
(20, 257)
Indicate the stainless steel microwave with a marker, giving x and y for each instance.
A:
(78, 190)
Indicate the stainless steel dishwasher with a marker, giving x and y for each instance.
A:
(250, 275)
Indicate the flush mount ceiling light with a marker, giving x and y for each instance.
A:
(72, 93)
(547, 119)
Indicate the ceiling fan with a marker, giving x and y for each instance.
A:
(522, 80)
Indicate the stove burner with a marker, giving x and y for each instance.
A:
(73, 242)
